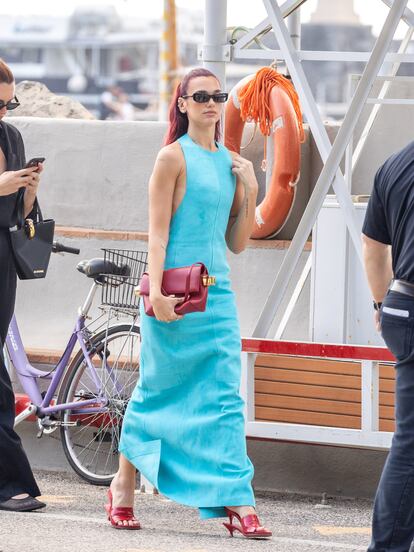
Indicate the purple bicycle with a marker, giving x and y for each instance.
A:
(85, 395)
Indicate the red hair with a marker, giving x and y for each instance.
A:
(179, 121)
(6, 76)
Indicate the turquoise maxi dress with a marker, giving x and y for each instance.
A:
(184, 425)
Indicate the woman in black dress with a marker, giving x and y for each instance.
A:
(18, 487)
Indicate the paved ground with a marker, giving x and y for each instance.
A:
(74, 522)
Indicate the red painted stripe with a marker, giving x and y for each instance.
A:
(21, 402)
(321, 350)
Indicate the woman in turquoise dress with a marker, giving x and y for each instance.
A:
(184, 425)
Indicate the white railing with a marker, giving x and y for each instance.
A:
(368, 436)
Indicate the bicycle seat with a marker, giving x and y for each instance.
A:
(93, 268)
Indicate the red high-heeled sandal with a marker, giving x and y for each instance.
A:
(249, 526)
(120, 513)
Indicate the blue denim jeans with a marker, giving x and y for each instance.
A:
(393, 518)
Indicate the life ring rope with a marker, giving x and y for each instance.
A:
(254, 98)
(270, 100)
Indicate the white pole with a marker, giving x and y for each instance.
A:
(215, 38)
(294, 27)
(167, 58)
(163, 66)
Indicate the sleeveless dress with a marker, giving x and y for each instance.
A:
(184, 425)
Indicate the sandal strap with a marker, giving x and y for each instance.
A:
(251, 520)
(123, 513)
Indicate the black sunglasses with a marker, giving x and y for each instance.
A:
(204, 97)
(10, 105)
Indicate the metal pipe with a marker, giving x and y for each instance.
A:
(408, 15)
(167, 58)
(380, 100)
(287, 8)
(215, 37)
(84, 310)
(294, 26)
(318, 55)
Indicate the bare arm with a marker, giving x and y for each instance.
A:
(378, 266)
(242, 213)
(161, 191)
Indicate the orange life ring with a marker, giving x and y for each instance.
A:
(273, 212)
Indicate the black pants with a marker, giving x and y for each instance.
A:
(16, 476)
(393, 520)
(7, 284)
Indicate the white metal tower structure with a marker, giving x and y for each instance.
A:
(215, 56)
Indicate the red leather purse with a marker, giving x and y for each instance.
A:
(189, 282)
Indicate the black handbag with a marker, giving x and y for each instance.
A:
(31, 242)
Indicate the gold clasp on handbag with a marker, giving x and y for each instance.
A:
(209, 281)
(30, 228)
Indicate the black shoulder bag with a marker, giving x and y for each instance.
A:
(31, 242)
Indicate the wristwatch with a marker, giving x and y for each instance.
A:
(376, 305)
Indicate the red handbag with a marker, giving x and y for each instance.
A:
(189, 282)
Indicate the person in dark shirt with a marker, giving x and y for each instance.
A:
(388, 249)
(18, 487)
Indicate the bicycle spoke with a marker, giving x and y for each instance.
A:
(93, 447)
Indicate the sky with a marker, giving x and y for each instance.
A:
(240, 12)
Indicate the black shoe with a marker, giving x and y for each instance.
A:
(27, 504)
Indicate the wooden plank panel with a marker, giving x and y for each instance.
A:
(310, 378)
(307, 418)
(387, 399)
(386, 385)
(386, 425)
(387, 371)
(317, 405)
(317, 392)
(386, 412)
(312, 405)
(311, 391)
(309, 364)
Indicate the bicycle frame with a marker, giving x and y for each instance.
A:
(29, 375)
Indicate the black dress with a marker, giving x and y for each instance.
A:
(15, 473)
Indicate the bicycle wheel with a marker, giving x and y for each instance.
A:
(91, 446)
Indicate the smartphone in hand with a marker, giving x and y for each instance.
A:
(34, 162)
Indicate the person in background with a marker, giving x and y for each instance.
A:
(18, 488)
(109, 102)
(125, 111)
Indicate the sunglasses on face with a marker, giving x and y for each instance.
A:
(10, 105)
(204, 97)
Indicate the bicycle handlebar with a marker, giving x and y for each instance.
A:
(60, 248)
